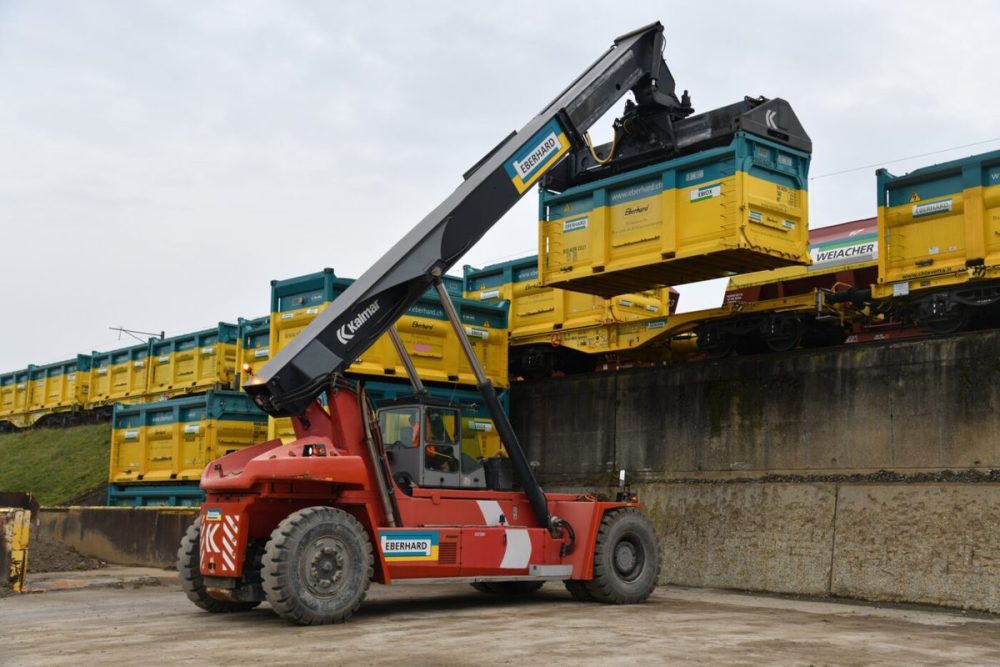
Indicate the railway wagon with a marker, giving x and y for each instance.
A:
(159, 449)
(193, 362)
(781, 309)
(560, 330)
(939, 227)
(740, 207)
(54, 392)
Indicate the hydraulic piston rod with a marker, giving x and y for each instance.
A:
(520, 462)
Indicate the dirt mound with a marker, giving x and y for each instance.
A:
(47, 555)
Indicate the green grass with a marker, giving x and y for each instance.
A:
(55, 464)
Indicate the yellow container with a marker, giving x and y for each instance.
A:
(176, 439)
(536, 309)
(119, 375)
(725, 210)
(939, 226)
(193, 362)
(58, 387)
(424, 330)
(13, 394)
(253, 347)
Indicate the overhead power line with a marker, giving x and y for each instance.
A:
(903, 159)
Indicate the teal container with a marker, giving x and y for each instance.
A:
(519, 270)
(316, 289)
(255, 334)
(224, 333)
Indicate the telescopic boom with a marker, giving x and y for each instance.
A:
(302, 370)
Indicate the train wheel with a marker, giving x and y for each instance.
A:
(317, 566)
(192, 583)
(626, 558)
(953, 321)
(783, 334)
(714, 342)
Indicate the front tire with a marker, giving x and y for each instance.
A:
(578, 589)
(192, 583)
(626, 558)
(317, 566)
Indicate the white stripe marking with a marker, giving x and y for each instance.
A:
(210, 545)
(491, 511)
(229, 562)
(518, 551)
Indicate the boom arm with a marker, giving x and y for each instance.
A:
(301, 370)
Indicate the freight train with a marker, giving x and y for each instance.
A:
(929, 263)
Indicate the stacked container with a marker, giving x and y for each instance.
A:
(159, 450)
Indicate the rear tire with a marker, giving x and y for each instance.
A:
(192, 583)
(317, 566)
(508, 588)
(626, 558)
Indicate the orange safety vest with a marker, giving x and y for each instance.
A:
(431, 450)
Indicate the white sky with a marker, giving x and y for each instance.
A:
(163, 161)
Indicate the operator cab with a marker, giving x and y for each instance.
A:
(426, 444)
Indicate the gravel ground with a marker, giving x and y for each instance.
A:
(453, 625)
(47, 555)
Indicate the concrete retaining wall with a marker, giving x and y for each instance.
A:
(143, 536)
(815, 472)
(907, 406)
(927, 543)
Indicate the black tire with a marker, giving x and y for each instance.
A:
(192, 583)
(579, 591)
(508, 588)
(317, 566)
(626, 558)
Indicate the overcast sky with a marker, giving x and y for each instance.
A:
(161, 162)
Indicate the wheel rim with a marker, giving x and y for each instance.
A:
(324, 566)
(784, 335)
(716, 344)
(628, 558)
(951, 322)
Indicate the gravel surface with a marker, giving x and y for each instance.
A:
(47, 555)
(454, 625)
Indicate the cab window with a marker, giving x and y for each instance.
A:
(399, 425)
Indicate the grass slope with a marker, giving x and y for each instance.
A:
(55, 464)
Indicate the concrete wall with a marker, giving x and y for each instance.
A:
(908, 406)
(928, 543)
(869, 471)
(143, 536)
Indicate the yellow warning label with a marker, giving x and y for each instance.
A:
(914, 197)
